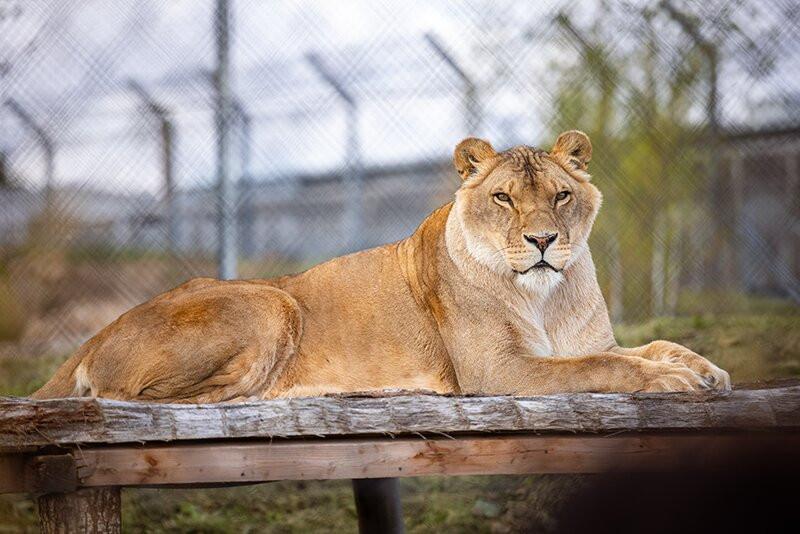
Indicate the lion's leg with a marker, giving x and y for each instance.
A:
(604, 372)
(224, 342)
(666, 351)
(246, 373)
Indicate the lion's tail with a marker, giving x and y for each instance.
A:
(65, 382)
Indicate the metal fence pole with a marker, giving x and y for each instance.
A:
(47, 145)
(5, 172)
(167, 131)
(354, 215)
(245, 137)
(245, 189)
(473, 114)
(226, 201)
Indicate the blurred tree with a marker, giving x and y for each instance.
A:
(634, 87)
(575, 105)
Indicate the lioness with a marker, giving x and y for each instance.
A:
(494, 293)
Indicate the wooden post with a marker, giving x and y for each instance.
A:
(378, 505)
(93, 510)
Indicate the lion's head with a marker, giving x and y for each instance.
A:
(526, 212)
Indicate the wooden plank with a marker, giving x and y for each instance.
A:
(88, 420)
(260, 461)
(90, 511)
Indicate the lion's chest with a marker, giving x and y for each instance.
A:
(570, 336)
(534, 336)
(552, 337)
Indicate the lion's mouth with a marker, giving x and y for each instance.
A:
(541, 264)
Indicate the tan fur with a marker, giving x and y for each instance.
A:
(460, 306)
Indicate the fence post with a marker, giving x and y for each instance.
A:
(792, 243)
(473, 116)
(353, 199)
(167, 131)
(226, 200)
(658, 265)
(246, 211)
(378, 506)
(5, 172)
(90, 510)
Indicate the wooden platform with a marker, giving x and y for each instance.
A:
(69, 446)
(98, 442)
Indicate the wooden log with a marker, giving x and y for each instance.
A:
(378, 505)
(93, 511)
(25, 422)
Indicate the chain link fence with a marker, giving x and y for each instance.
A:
(145, 142)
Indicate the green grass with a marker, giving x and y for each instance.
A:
(20, 375)
(286, 506)
(431, 505)
(749, 347)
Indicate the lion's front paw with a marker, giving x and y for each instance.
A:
(713, 376)
(672, 376)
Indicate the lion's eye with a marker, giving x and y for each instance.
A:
(502, 197)
(562, 195)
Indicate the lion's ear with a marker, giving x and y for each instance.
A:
(574, 148)
(469, 153)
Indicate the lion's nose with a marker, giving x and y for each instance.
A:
(541, 241)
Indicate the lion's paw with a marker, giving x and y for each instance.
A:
(713, 376)
(673, 376)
